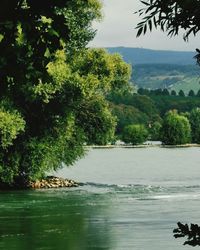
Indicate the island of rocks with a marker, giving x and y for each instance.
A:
(53, 182)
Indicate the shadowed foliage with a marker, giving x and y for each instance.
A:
(52, 91)
(192, 233)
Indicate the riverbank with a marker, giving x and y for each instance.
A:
(53, 182)
(142, 146)
(45, 183)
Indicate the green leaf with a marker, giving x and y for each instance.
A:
(139, 32)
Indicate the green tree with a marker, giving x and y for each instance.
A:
(198, 93)
(191, 93)
(194, 118)
(52, 92)
(134, 134)
(181, 93)
(173, 93)
(126, 115)
(175, 129)
(154, 131)
(165, 92)
(142, 91)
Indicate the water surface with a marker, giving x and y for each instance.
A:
(129, 199)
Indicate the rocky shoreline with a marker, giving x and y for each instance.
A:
(52, 182)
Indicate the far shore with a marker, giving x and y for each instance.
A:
(142, 146)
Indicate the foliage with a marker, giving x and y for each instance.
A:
(180, 103)
(191, 93)
(194, 118)
(11, 125)
(142, 103)
(52, 88)
(192, 233)
(111, 72)
(181, 93)
(170, 16)
(134, 134)
(96, 121)
(198, 93)
(175, 129)
(126, 115)
(173, 92)
(154, 131)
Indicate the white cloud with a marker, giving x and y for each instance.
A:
(118, 29)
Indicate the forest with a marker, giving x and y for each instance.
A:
(149, 108)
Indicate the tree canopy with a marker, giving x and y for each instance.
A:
(52, 92)
(194, 118)
(175, 129)
(134, 134)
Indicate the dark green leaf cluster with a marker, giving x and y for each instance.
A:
(194, 118)
(175, 129)
(192, 233)
(134, 134)
(170, 16)
(52, 92)
(127, 115)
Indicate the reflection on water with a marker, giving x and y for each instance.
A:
(53, 220)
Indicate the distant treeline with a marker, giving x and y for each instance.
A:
(149, 107)
(166, 92)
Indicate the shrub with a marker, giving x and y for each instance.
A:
(175, 129)
(134, 134)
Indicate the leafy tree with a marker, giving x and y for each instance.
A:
(165, 92)
(194, 118)
(142, 91)
(173, 93)
(181, 93)
(198, 93)
(175, 129)
(154, 131)
(191, 93)
(126, 115)
(143, 103)
(134, 134)
(157, 92)
(52, 88)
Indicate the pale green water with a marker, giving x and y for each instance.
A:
(130, 199)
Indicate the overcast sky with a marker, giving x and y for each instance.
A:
(118, 29)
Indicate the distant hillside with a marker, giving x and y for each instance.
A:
(154, 76)
(148, 56)
(153, 69)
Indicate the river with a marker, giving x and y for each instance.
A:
(129, 199)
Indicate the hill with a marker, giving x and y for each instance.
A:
(147, 56)
(170, 76)
(154, 69)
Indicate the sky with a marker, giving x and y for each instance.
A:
(118, 29)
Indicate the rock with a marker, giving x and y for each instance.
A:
(52, 182)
